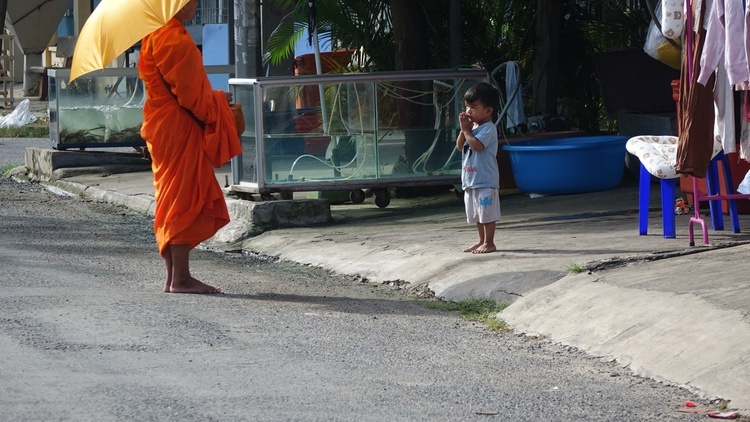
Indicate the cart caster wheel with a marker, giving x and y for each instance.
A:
(357, 196)
(382, 197)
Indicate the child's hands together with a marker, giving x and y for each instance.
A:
(465, 121)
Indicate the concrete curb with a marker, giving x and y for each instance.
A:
(50, 164)
(247, 218)
(142, 204)
(577, 311)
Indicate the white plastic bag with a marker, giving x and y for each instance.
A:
(21, 116)
(658, 47)
(744, 187)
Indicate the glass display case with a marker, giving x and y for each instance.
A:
(371, 131)
(100, 109)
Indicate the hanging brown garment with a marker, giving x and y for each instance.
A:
(696, 121)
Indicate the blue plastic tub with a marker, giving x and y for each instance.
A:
(568, 165)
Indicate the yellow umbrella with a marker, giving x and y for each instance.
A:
(114, 26)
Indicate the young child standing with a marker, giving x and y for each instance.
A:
(479, 172)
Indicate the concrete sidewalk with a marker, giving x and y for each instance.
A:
(666, 310)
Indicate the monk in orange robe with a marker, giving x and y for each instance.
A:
(189, 129)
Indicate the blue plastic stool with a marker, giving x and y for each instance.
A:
(714, 188)
(668, 199)
(667, 204)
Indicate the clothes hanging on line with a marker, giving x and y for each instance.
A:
(696, 125)
(726, 36)
(725, 56)
(724, 123)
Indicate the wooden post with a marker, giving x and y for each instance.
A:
(7, 55)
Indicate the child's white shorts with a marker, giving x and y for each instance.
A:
(482, 205)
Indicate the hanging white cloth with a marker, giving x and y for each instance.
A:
(744, 187)
(727, 19)
(744, 140)
(715, 40)
(736, 49)
(724, 110)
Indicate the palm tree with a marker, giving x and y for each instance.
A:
(362, 26)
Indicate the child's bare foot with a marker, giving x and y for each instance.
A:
(192, 285)
(486, 248)
(472, 248)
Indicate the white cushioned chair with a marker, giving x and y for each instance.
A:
(658, 156)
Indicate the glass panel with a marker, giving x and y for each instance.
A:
(244, 167)
(394, 127)
(100, 109)
(418, 127)
(299, 148)
(103, 109)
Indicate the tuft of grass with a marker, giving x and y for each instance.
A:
(575, 268)
(28, 131)
(722, 405)
(480, 310)
(8, 167)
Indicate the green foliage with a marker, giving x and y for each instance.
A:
(8, 167)
(575, 268)
(492, 32)
(28, 131)
(609, 25)
(480, 310)
(282, 39)
(361, 26)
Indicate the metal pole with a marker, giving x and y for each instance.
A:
(321, 88)
(247, 39)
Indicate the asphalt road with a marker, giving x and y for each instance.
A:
(86, 334)
(13, 150)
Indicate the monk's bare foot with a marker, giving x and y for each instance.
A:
(192, 285)
(472, 248)
(486, 248)
(168, 286)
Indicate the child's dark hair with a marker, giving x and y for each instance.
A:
(486, 93)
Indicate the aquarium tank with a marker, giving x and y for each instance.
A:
(351, 131)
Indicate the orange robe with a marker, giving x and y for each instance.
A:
(188, 131)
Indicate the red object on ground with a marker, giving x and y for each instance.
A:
(689, 404)
(723, 415)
